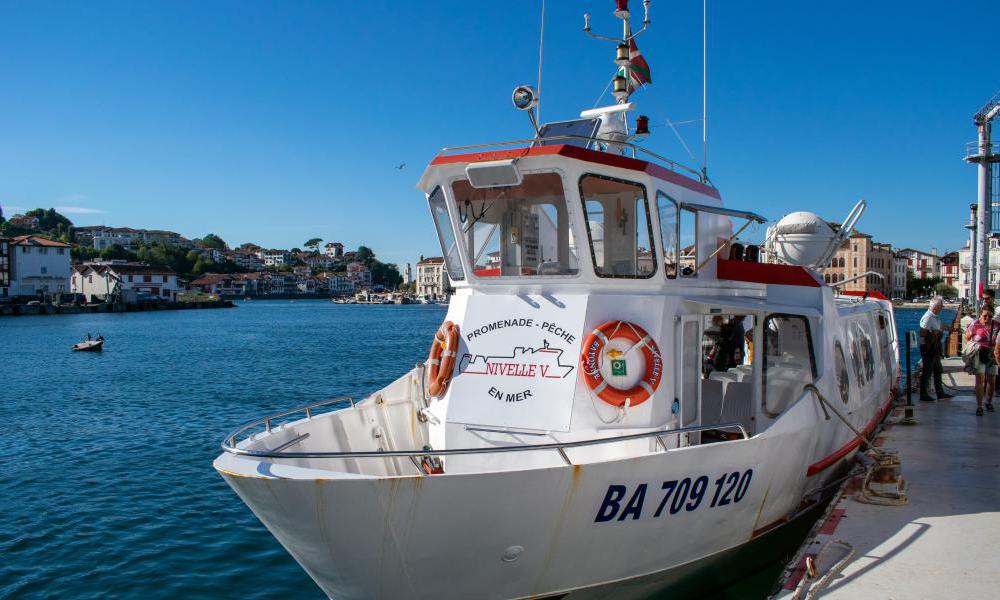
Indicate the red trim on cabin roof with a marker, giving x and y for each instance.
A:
(875, 295)
(738, 270)
(584, 154)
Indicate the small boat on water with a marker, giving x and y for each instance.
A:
(89, 345)
(622, 401)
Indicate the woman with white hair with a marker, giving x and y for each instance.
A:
(930, 350)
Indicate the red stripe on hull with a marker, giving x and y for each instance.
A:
(850, 446)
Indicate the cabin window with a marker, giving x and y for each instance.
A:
(668, 212)
(843, 380)
(618, 227)
(789, 362)
(687, 243)
(517, 231)
(446, 235)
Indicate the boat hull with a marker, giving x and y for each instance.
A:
(530, 533)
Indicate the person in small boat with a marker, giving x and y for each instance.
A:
(930, 350)
(983, 331)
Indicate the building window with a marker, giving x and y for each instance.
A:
(164, 279)
(45, 270)
(130, 279)
(60, 251)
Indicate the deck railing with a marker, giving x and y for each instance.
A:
(231, 442)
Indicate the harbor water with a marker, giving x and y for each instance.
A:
(108, 489)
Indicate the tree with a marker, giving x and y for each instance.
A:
(945, 290)
(314, 244)
(213, 241)
(49, 219)
(365, 255)
(1, 215)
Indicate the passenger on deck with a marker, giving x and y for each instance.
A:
(930, 351)
(983, 332)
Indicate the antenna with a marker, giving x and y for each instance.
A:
(624, 45)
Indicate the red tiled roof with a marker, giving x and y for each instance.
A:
(34, 240)
(432, 260)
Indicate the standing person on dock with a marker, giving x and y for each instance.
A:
(983, 331)
(930, 350)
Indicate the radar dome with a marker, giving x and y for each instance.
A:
(801, 238)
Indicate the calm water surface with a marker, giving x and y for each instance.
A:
(107, 486)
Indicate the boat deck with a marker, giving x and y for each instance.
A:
(945, 543)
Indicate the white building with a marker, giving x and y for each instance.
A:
(107, 237)
(275, 258)
(432, 278)
(923, 265)
(898, 283)
(334, 250)
(38, 266)
(964, 280)
(246, 260)
(135, 281)
(4, 267)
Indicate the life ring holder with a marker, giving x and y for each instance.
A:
(592, 357)
(441, 359)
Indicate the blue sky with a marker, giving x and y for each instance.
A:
(280, 121)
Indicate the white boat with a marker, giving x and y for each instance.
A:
(615, 406)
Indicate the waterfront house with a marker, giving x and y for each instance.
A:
(360, 275)
(23, 222)
(225, 284)
(275, 258)
(38, 266)
(334, 250)
(4, 267)
(858, 255)
(923, 265)
(320, 261)
(106, 237)
(432, 278)
(244, 259)
(898, 275)
(130, 281)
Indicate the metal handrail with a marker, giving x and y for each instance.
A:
(673, 164)
(266, 420)
(229, 444)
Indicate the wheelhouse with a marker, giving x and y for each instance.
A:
(565, 214)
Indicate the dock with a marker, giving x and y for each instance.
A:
(945, 541)
(14, 310)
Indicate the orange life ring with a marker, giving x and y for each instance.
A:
(441, 360)
(592, 358)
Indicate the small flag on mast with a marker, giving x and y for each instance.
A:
(639, 74)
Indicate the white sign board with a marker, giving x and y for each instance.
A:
(517, 362)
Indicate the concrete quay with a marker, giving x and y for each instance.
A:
(945, 542)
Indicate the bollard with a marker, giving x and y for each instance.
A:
(911, 339)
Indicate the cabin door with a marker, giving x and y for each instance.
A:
(689, 360)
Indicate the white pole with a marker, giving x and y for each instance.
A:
(983, 211)
(541, 44)
(704, 87)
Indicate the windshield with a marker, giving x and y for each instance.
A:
(517, 231)
(446, 235)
